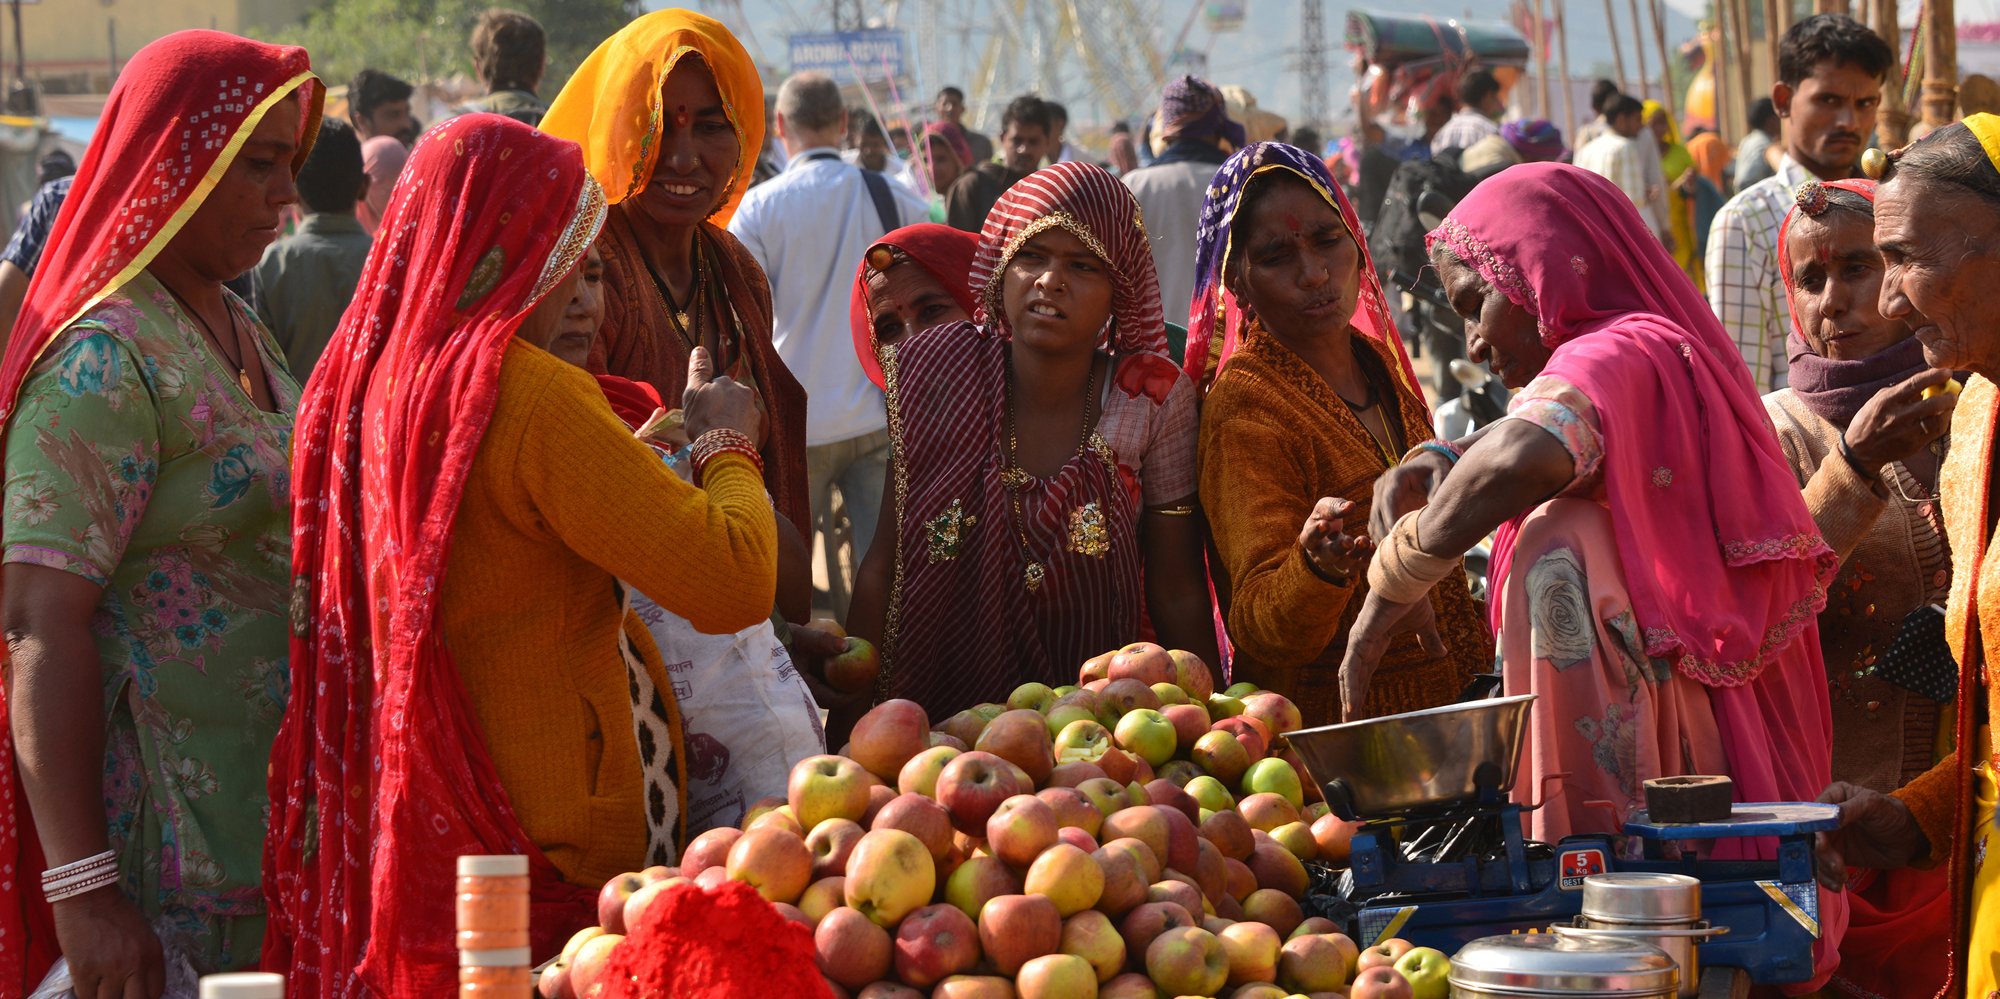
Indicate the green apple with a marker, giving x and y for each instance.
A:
(1032, 696)
(1210, 793)
(1148, 733)
(1082, 741)
(1426, 969)
(1241, 690)
(1274, 776)
(1067, 689)
(1170, 694)
(1223, 706)
(1066, 710)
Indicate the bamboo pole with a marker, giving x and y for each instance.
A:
(1895, 117)
(1639, 43)
(1666, 64)
(1773, 31)
(1745, 84)
(1542, 59)
(1728, 104)
(1562, 62)
(1940, 102)
(1617, 50)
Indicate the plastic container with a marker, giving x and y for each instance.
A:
(492, 913)
(243, 985)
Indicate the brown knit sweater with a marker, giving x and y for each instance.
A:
(1893, 560)
(1274, 440)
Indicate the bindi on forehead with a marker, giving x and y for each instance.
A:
(682, 118)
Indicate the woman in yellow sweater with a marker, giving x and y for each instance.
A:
(466, 679)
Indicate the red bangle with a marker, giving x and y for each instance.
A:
(723, 441)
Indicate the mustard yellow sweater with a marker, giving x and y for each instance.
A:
(561, 502)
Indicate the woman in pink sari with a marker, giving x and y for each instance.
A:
(1656, 572)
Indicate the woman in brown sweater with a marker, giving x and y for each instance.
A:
(1313, 401)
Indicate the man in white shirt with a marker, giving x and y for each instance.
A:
(1830, 70)
(1194, 119)
(808, 227)
(1479, 111)
(1632, 163)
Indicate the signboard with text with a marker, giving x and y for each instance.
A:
(849, 56)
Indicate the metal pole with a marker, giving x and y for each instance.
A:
(1562, 61)
(1639, 43)
(111, 41)
(1666, 64)
(1617, 50)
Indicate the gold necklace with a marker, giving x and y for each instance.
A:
(1016, 479)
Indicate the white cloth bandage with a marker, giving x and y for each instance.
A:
(1401, 571)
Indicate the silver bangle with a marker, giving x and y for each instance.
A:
(78, 865)
(57, 880)
(90, 884)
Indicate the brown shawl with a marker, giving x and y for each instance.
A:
(638, 342)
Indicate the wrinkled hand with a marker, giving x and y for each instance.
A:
(1876, 831)
(1326, 542)
(1406, 487)
(1379, 623)
(1899, 422)
(112, 953)
(720, 403)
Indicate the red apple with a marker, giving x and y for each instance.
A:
(712, 879)
(964, 726)
(1276, 867)
(1074, 774)
(972, 787)
(1066, 876)
(1143, 924)
(1210, 872)
(1275, 710)
(1167, 795)
(821, 897)
(1015, 929)
(889, 990)
(1253, 952)
(1335, 837)
(1231, 833)
(1384, 954)
(1127, 695)
(975, 987)
(1266, 990)
(1275, 909)
(710, 849)
(1020, 829)
(1312, 964)
(1183, 841)
(611, 900)
(780, 818)
(1248, 731)
(1072, 809)
(1095, 668)
(888, 735)
(1180, 893)
(1077, 838)
(890, 875)
(1142, 661)
(586, 969)
(947, 741)
(1298, 838)
(920, 817)
(1148, 861)
(1381, 982)
(831, 842)
(1021, 738)
(1222, 754)
(1267, 811)
(1091, 935)
(1239, 881)
(758, 808)
(1124, 766)
(977, 881)
(1190, 723)
(1145, 823)
(852, 950)
(1133, 985)
(1057, 976)
(1105, 795)
(1229, 908)
(1192, 675)
(1125, 879)
(855, 668)
(1188, 961)
(642, 899)
(1320, 925)
(935, 943)
(775, 862)
(920, 774)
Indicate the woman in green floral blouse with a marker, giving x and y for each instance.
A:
(148, 421)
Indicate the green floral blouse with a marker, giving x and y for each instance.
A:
(136, 461)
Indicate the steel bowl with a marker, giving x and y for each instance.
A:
(1548, 965)
(1417, 762)
(1638, 898)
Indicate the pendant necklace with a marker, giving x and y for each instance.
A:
(1361, 409)
(1016, 479)
(235, 361)
(681, 316)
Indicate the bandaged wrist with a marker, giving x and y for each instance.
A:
(1402, 572)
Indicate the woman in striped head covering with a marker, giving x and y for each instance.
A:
(1042, 462)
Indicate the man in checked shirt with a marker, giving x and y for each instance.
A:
(1830, 70)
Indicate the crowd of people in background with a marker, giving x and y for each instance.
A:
(505, 486)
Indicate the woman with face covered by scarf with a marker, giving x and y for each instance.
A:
(1666, 624)
(1042, 463)
(147, 416)
(1313, 400)
(466, 676)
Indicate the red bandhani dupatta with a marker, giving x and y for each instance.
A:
(172, 126)
(943, 252)
(380, 776)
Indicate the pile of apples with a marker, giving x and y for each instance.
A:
(1136, 835)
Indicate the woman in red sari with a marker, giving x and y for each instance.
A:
(465, 677)
(911, 280)
(1042, 463)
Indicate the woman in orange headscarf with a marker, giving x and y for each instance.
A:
(670, 114)
(147, 416)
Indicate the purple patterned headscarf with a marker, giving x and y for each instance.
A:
(1538, 141)
(1192, 108)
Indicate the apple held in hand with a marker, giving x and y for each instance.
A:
(1428, 971)
(855, 668)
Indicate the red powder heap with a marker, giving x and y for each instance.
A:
(727, 943)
